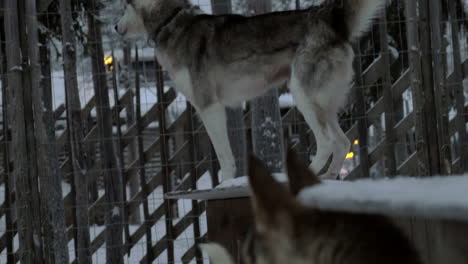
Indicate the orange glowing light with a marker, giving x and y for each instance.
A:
(108, 60)
(350, 155)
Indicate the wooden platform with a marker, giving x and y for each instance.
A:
(433, 212)
(443, 198)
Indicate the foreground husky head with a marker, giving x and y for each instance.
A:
(277, 215)
(281, 222)
(141, 17)
(288, 232)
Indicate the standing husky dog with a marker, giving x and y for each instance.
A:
(218, 61)
(288, 232)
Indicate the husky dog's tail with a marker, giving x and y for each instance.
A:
(358, 15)
(216, 253)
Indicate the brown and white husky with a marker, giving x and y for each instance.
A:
(286, 231)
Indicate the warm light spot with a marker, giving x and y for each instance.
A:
(350, 155)
(356, 142)
(108, 60)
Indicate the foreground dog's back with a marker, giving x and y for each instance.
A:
(288, 232)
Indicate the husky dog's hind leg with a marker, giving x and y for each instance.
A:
(319, 85)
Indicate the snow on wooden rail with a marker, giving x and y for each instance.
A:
(435, 197)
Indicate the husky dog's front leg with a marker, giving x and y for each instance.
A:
(215, 121)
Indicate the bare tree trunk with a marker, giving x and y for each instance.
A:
(111, 166)
(9, 219)
(24, 173)
(267, 131)
(75, 136)
(120, 149)
(235, 117)
(53, 224)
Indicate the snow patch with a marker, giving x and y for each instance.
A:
(115, 211)
(440, 197)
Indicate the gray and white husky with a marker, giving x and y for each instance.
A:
(224, 60)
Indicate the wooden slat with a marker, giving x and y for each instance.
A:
(373, 114)
(402, 84)
(148, 117)
(409, 165)
(183, 224)
(353, 132)
(119, 106)
(371, 75)
(59, 111)
(190, 254)
(402, 127)
(132, 169)
(453, 78)
(376, 154)
(185, 183)
(398, 88)
(292, 116)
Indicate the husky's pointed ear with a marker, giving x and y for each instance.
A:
(270, 198)
(216, 253)
(299, 174)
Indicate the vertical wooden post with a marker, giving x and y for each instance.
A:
(193, 180)
(111, 167)
(361, 112)
(142, 160)
(458, 88)
(433, 11)
(24, 173)
(75, 136)
(165, 168)
(390, 163)
(133, 183)
(423, 96)
(120, 150)
(267, 131)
